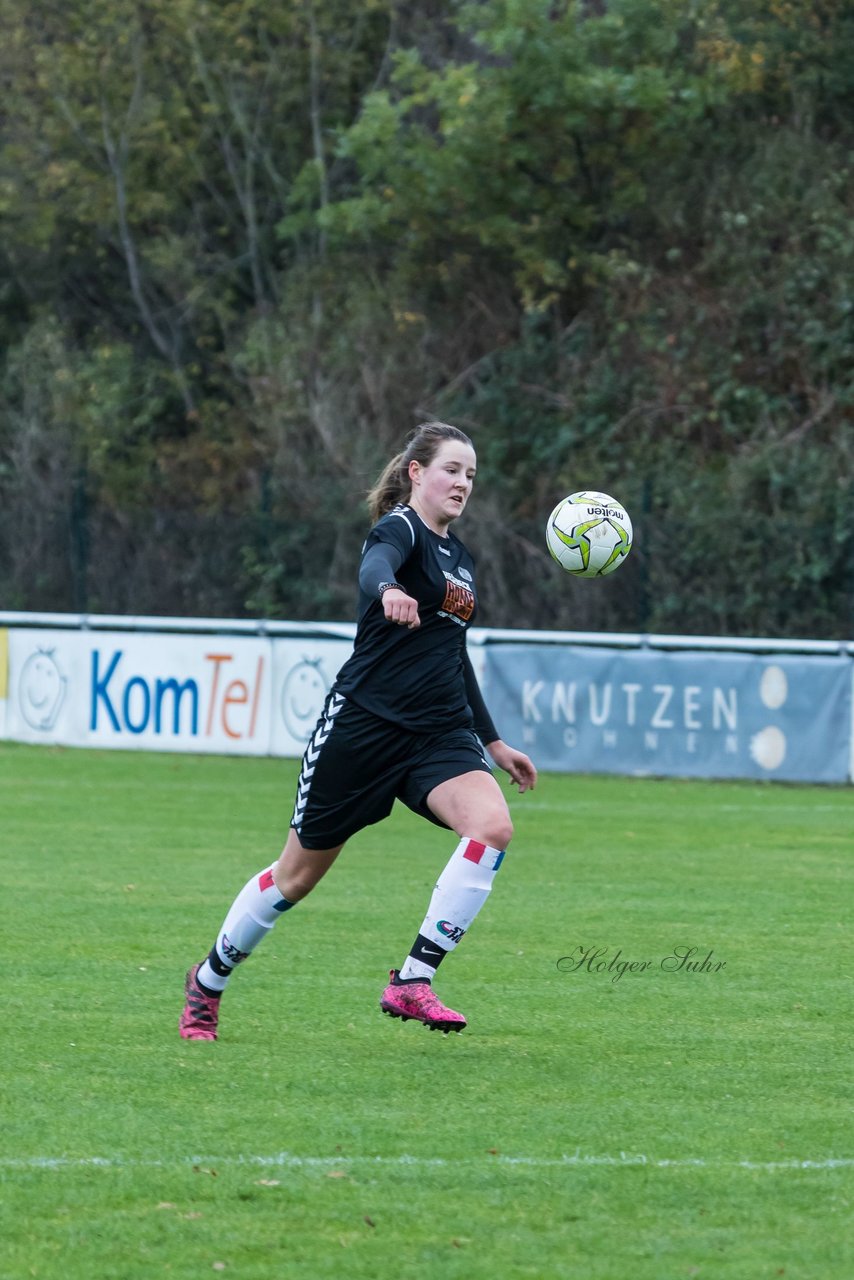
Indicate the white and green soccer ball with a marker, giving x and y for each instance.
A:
(589, 534)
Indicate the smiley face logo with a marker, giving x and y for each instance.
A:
(41, 690)
(303, 695)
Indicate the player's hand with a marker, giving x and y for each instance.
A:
(400, 608)
(521, 768)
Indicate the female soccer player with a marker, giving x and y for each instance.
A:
(404, 720)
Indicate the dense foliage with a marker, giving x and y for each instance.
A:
(246, 247)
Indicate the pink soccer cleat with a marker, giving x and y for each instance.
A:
(413, 998)
(200, 1013)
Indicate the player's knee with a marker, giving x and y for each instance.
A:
(293, 886)
(496, 830)
(299, 869)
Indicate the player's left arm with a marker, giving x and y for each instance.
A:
(520, 767)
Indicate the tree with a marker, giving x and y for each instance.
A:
(252, 247)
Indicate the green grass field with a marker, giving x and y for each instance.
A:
(646, 1126)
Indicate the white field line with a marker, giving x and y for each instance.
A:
(284, 1160)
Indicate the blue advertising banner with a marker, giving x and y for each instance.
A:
(704, 714)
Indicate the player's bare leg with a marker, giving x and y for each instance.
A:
(474, 807)
(260, 903)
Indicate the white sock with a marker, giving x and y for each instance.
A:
(253, 913)
(460, 892)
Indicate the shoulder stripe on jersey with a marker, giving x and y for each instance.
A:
(407, 521)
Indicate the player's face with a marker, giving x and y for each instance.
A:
(441, 490)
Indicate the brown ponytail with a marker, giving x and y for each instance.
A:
(394, 484)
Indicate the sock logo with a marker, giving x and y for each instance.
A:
(452, 932)
(231, 953)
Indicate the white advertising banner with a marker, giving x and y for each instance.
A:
(140, 690)
(45, 701)
(303, 673)
(4, 678)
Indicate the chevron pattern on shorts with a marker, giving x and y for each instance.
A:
(324, 727)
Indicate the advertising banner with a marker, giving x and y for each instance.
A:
(303, 674)
(4, 678)
(131, 690)
(576, 708)
(704, 714)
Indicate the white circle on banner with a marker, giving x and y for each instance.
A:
(768, 747)
(773, 687)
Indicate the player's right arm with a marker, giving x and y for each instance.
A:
(378, 571)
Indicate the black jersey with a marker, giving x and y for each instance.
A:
(419, 679)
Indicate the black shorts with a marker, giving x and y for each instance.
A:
(356, 765)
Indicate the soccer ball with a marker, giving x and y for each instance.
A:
(589, 534)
